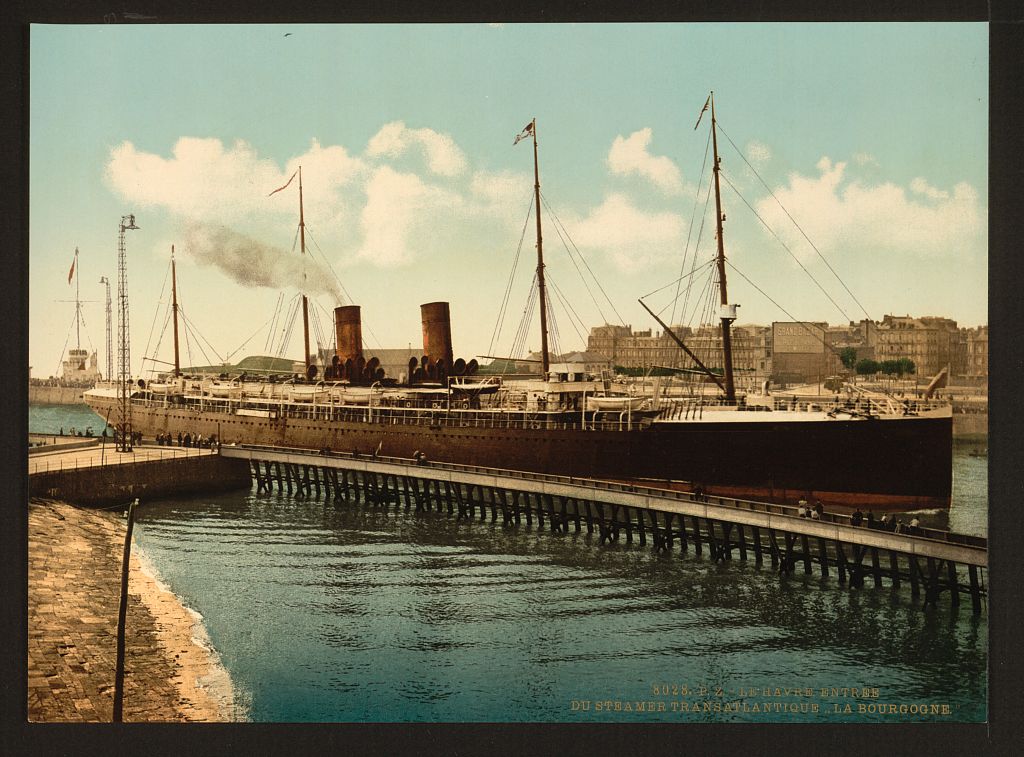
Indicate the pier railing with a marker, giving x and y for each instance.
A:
(56, 462)
(771, 508)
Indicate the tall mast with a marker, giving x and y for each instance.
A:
(305, 306)
(174, 307)
(541, 291)
(110, 343)
(78, 306)
(727, 317)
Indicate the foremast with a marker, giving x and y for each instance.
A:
(531, 131)
(174, 309)
(305, 305)
(728, 314)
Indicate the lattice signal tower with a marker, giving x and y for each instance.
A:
(124, 372)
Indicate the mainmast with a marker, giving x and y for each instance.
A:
(174, 308)
(728, 314)
(305, 306)
(78, 306)
(541, 290)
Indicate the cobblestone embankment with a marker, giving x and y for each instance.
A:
(73, 594)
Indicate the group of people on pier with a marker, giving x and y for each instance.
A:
(187, 440)
(886, 523)
(814, 513)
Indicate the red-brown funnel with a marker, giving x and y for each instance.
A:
(437, 331)
(349, 330)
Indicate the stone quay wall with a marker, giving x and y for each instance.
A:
(109, 484)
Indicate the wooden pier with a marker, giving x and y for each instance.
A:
(931, 561)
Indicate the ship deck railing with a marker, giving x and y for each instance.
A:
(440, 414)
(418, 416)
(919, 532)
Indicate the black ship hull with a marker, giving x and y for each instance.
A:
(897, 463)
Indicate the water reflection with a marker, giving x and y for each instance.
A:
(345, 613)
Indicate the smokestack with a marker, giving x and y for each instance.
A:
(349, 331)
(437, 332)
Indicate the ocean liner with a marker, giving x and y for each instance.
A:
(872, 452)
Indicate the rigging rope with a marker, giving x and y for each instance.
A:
(189, 326)
(705, 264)
(519, 343)
(689, 230)
(803, 324)
(569, 311)
(700, 237)
(553, 346)
(813, 246)
(156, 312)
(65, 348)
(159, 341)
(239, 347)
(779, 240)
(341, 286)
(500, 322)
(268, 344)
(585, 263)
(286, 330)
(559, 229)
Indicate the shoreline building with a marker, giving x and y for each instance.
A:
(975, 341)
(80, 368)
(931, 342)
(625, 348)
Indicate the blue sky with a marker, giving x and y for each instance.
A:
(872, 136)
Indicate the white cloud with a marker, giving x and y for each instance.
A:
(204, 180)
(922, 187)
(852, 218)
(632, 238)
(865, 159)
(367, 210)
(443, 156)
(401, 215)
(630, 156)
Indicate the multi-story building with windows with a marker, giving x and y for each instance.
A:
(930, 342)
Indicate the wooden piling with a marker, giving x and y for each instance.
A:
(972, 572)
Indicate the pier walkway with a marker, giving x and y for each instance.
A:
(99, 475)
(932, 561)
(62, 458)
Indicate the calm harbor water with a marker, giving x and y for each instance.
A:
(341, 613)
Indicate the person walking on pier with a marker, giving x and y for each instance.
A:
(871, 520)
(856, 518)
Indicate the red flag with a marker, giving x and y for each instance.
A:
(71, 273)
(284, 187)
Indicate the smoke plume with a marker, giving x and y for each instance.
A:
(254, 264)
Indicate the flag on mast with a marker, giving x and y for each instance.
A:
(284, 187)
(702, 113)
(524, 133)
(74, 260)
